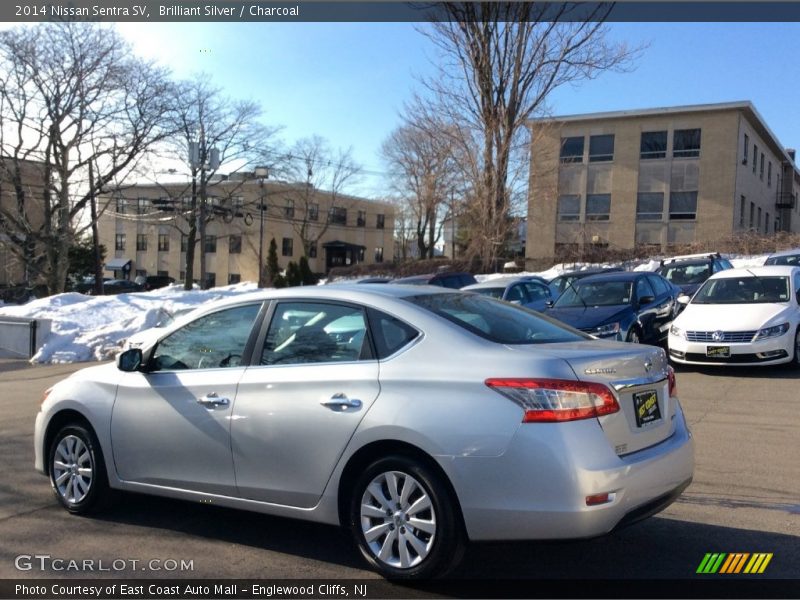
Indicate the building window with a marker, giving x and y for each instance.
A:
(569, 207)
(312, 250)
(119, 241)
(361, 219)
(337, 215)
(682, 206)
(186, 202)
(598, 207)
(211, 244)
(141, 242)
(746, 148)
(141, 205)
(379, 254)
(572, 149)
(361, 253)
(288, 210)
(769, 174)
(380, 221)
(140, 273)
(686, 143)
(741, 212)
(237, 204)
(162, 273)
(313, 212)
(121, 205)
(182, 275)
(752, 211)
(766, 223)
(234, 278)
(235, 244)
(758, 222)
(211, 279)
(163, 242)
(650, 206)
(184, 242)
(653, 145)
(287, 247)
(601, 148)
(755, 157)
(761, 171)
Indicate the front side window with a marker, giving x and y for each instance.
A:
(653, 145)
(211, 342)
(682, 205)
(496, 321)
(686, 143)
(309, 332)
(601, 148)
(569, 207)
(572, 149)
(650, 206)
(598, 207)
(643, 289)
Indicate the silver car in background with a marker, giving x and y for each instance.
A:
(417, 418)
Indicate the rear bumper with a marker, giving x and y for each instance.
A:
(538, 488)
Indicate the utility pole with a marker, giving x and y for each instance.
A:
(261, 173)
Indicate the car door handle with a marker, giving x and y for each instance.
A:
(340, 402)
(213, 399)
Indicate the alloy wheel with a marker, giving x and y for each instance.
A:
(398, 519)
(73, 469)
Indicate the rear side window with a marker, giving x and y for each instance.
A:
(389, 333)
(496, 321)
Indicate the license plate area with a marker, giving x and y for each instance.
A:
(718, 351)
(646, 408)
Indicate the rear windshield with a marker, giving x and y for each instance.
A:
(495, 320)
(792, 260)
(686, 274)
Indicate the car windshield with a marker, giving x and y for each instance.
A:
(496, 321)
(747, 289)
(596, 293)
(686, 274)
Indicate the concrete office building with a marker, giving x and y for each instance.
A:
(658, 177)
(143, 228)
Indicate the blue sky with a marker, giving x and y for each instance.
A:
(347, 82)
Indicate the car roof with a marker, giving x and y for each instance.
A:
(699, 256)
(502, 282)
(772, 270)
(686, 262)
(616, 276)
(588, 272)
(791, 252)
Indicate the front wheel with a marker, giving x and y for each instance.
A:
(77, 470)
(404, 521)
(796, 357)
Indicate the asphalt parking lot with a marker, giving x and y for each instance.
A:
(745, 498)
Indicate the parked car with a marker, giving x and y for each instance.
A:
(632, 306)
(446, 279)
(154, 282)
(787, 257)
(361, 280)
(416, 418)
(563, 281)
(86, 285)
(525, 291)
(690, 271)
(741, 316)
(118, 286)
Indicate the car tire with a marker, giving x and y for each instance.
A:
(796, 356)
(633, 337)
(405, 521)
(77, 470)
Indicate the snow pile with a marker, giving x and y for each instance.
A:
(87, 328)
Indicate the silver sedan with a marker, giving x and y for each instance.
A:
(416, 418)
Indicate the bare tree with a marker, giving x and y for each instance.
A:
(72, 95)
(214, 132)
(500, 63)
(423, 170)
(319, 172)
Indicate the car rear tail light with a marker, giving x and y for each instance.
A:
(673, 385)
(556, 400)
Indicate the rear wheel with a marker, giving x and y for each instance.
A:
(404, 520)
(633, 336)
(77, 470)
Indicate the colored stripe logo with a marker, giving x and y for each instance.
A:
(734, 563)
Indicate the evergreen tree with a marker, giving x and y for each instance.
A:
(307, 276)
(273, 275)
(293, 276)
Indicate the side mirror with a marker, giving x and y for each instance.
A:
(130, 360)
(517, 302)
(683, 299)
(646, 300)
(549, 303)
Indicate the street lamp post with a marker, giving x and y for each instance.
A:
(261, 173)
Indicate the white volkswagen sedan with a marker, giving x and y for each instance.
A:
(741, 317)
(416, 417)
